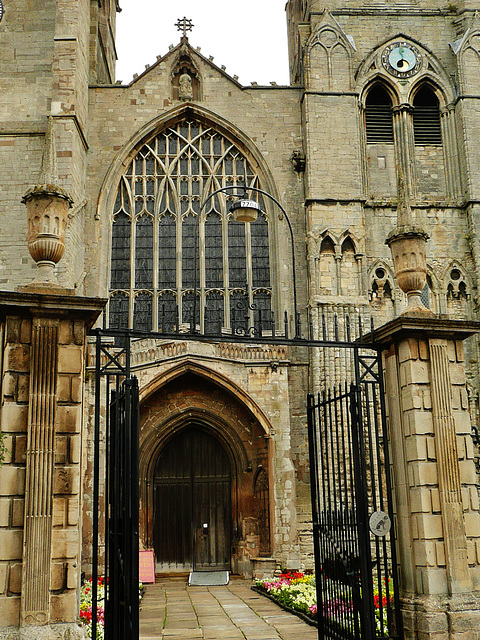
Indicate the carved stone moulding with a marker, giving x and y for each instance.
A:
(408, 246)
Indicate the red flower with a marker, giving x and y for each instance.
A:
(86, 615)
(376, 600)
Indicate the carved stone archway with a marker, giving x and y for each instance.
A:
(192, 401)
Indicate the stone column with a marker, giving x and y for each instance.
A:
(404, 145)
(453, 172)
(437, 506)
(42, 357)
(35, 602)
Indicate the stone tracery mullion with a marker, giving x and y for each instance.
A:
(186, 163)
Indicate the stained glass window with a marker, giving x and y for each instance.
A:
(144, 253)
(173, 265)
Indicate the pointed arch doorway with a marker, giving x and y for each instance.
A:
(192, 513)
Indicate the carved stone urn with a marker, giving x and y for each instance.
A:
(47, 213)
(408, 246)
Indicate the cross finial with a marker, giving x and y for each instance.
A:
(184, 24)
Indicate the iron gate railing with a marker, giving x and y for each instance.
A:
(121, 601)
(357, 582)
(116, 511)
(352, 511)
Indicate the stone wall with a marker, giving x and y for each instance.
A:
(42, 348)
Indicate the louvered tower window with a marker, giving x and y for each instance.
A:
(378, 116)
(426, 118)
(163, 253)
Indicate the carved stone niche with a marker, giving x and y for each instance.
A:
(185, 80)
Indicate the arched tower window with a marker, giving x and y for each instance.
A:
(164, 251)
(378, 116)
(427, 127)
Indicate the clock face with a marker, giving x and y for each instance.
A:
(402, 60)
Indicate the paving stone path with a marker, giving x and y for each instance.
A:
(172, 609)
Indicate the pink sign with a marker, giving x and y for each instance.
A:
(146, 566)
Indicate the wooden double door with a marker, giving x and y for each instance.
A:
(192, 504)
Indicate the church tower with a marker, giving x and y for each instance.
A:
(389, 112)
(48, 56)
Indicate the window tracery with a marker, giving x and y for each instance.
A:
(458, 292)
(164, 253)
(381, 285)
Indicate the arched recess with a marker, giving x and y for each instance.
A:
(261, 496)
(183, 400)
(151, 206)
(378, 99)
(457, 288)
(350, 266)
(431, 138)
(327, 270)
(381, 283)
(209, 374)
(328, 56)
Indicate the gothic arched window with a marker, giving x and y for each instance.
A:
(427, 127)
(378, 116)
(164, 252)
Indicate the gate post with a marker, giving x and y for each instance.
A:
(434, 476)
(42, 364)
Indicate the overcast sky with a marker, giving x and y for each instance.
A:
(248, 37)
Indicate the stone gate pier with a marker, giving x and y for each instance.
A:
(434, 476)
(42, 364)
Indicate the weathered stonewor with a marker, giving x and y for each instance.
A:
(42, 351)
(450, 486)
(39, 472)
(437, 505)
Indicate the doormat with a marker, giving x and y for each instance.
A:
(208, 578)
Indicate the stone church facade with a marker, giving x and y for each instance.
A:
(381, 119)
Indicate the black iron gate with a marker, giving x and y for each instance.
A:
(116, 512)
(356, 567)
(121, 605)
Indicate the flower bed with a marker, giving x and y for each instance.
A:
(296, 592)
(86, 606)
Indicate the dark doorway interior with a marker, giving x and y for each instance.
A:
(192, 504)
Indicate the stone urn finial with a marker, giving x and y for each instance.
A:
(47, 211)
(408, 246)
